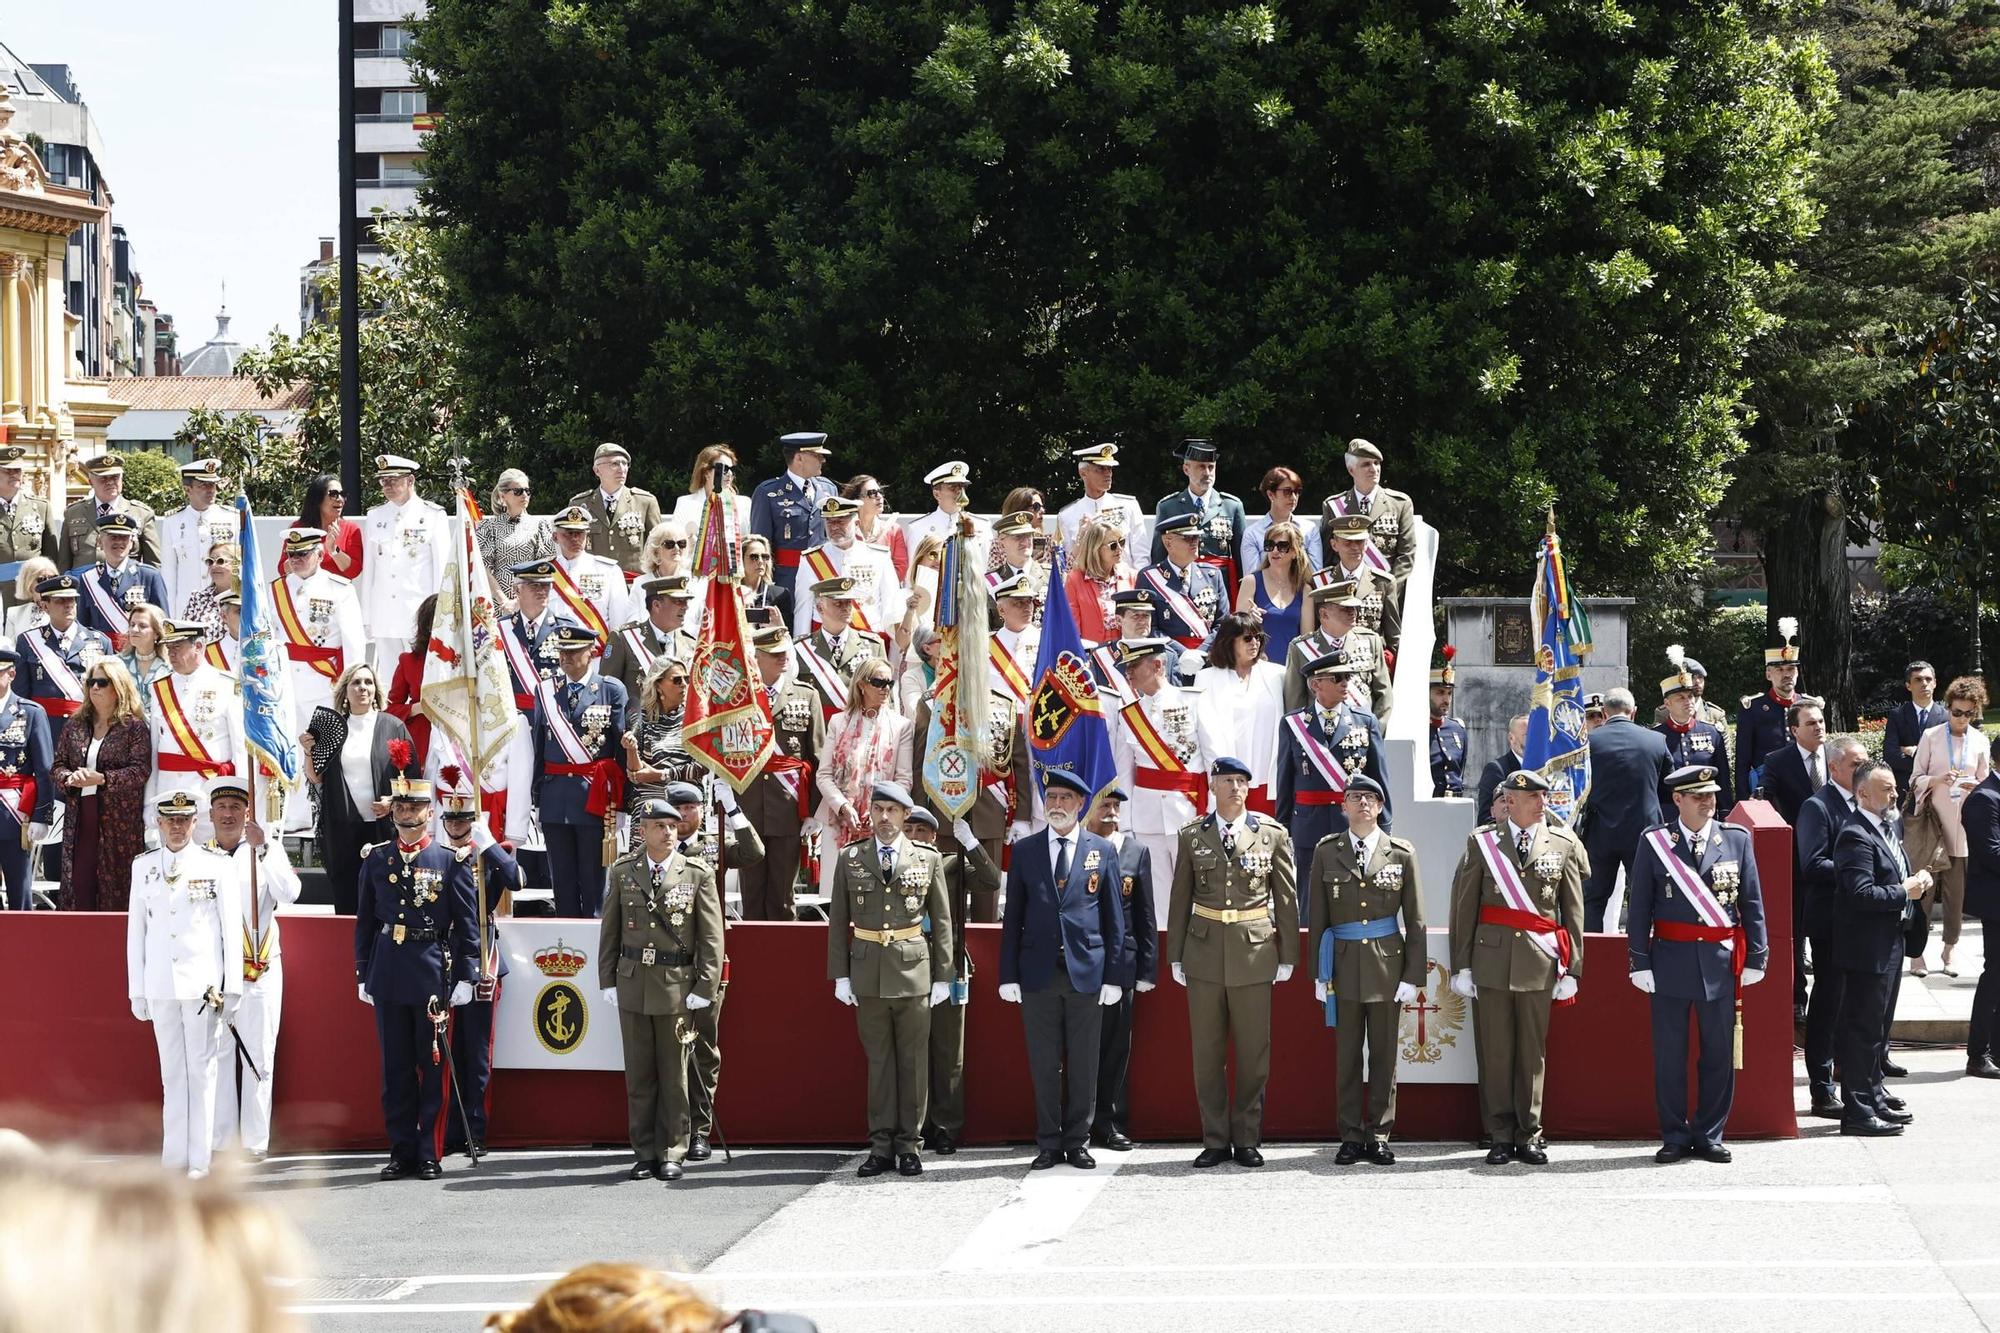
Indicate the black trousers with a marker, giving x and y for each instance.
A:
(412, 1086)
(1822, 1022)
(472, 1059)
(576, 864)
(1114, 1068)
(1605, 860)
(340, 844)
(14, 859)
(1063, 1027)
(1715, 1067)
(1985, 1013)
(1865, 1001)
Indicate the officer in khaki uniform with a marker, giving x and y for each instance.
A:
(971, 867)
(880, 962)
(1347, 544)
(775, 801)
(26, 528)
(1232, 933)
(620, 516)
(77, 545)
(1366, 918)
(659, 960)
(1513, 955)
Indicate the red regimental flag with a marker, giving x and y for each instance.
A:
(727, 726)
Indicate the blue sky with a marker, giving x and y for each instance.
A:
(220, 141)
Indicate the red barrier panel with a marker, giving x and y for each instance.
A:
(78, 1064)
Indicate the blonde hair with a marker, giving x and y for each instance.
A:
(122, 1247)
(33, 571)
(932, 544)
(705, 460)
(872, 662)
(649, 556)
(342, 681)
(124, 690)
(649, 687)
(1301, 567)
(231, 550)
(613, 1298)
(155, 619)
(513, 476)
(1091, 545)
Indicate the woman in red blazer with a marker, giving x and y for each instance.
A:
(325, 503)
(1100, 571)
(406, 688)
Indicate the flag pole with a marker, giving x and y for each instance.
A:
(484, 986)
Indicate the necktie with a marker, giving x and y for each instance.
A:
(572, 692)
(1326, 721)
(1818, 776)
(1366, 500)
(1700, 844)
(1360, 852)
(1229, 838)
(103, 509)
(1062, 860)
(1525, 841)
(888, 862)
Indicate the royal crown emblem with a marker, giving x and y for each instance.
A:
(1064, 693)
(559, 960)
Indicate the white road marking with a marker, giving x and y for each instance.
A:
(1021, 1231)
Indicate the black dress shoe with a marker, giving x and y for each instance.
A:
(873, 1165)
(1983, 1067)
(1829, 1109)
(1893, 1102)
(698, 1149)
(909, 1164)
(943, 1144)
(1378, 1153)
(1212, 1157)
(1895, 1117)
(1044, 1160)
(1485, 1142)
(668, 1171)
(1890, 1069)
(1670, 1153)
(1349, 1153)
(1531, 1153)
(1713, 1152)
(1499, 1155)
(1870, 1128)
(1081, 1159)
(1249, 1157)
(429, 1170)
(475, 1149)
(644, 1170)
(1118, 1141)
(397, 1168)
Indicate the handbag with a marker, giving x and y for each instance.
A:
(1923, 839)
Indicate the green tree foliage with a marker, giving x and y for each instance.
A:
(153, 478)
(256, 460)
(1522, 246)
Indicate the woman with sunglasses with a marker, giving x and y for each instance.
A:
(511, 536)
(1239, 704)
(224, 564)
(1276, 589)
(876, 525)
(324, 508)
(654, 755)
(866, 743)
(1951, 760)
(1101, 570)
(1282, 488)
(765, 600)
(669, 549)
(687, 508)
(103, 760)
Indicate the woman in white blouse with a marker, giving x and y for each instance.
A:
(867, 743)
(26, 612)
(687, 508)
(1240, 702)
(1951, 760)
(354, 749)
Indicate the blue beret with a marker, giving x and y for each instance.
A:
(1114, 794)
(891, 791)
(1068, 781)
(1228, 766)
(683, 793)
(921, 815)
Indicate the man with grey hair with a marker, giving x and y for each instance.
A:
(1820, 820)
(1497, 769)
(1628, 763)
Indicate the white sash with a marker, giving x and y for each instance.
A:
(1501, 866)
(1688, 881)
(54, 667)
(1106, 657)
(517, 656)
(108, 605)
(829, 679)
(1321, 758)
(1370, 557)
(1177, 602)
(561, 728)
(636, 638)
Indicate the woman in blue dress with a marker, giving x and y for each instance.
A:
(1278, 588)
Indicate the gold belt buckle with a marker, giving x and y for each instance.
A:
(647, 954)
(397, 934)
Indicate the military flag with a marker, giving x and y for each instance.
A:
(270, 727)
(467, 693)
(955, 747)
(1068, 727)
(1556, 747)
(727, 726)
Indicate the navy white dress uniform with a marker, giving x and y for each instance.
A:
(1064, 922)
(1187, 601)
(578, 759)
(472, 1023)
(187, 534)
(184, 973)
(594, 579)
(110, 594)
(414, 946)
(197, 724)
(1448, 741)
(1319, 749)
(408, 547)
(1218, 517)
(1111, 506)
(1157, 746)
(243, 1104)
(1698, 743)
(320, 622)
(53, 662)
(27, 787)
(785, 509)
(1134, 967)
(878, 596)
(941, 522)
(1695, 931)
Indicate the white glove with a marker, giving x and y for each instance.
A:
(482, 836)
(143, 1011)
(1319, 991)
(461, 994)
(1752, 975)
(726, 794)
(37, 831)
(1405, 992)
(1643, 979)
(609, 995)
(1010, 991)
(1180, 975)
(1018, 830)
(1565, 987)
(843, 990)
(697, 1002)
(963, 832)
(940, 992)
(366, 998)
(1461, 983)
(1284, 973)
(1143, 987)
(1189, 662)
(230, 1004)
(1108, 994)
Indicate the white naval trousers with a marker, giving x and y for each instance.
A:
(243, 1101)
(190, 1046)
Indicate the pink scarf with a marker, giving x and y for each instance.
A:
(863, 756)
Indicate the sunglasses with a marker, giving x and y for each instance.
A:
(98, 683)
(515, 490)
(1281, 547)
(672, 545)
(336, 495)
(676, 680)
(1962, 712)
(880, 683)
(756, 555)
(872, 493)
(1114, 546)
(218, 560)
(1037, 506)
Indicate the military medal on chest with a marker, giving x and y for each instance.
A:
(1548, 866)
(1727, 879)
(412, 538)
(911, 878)
(596, 720)
(1177, 726)
(425, 886)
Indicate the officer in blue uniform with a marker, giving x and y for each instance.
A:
(1688, 962)
(1691, 740)
(414, 948)
(30, 790)
(472, 1024)
(579, 771)
(1761, 728)
(535, 629)
(118, 577)
(1180, 575)
(1306, 803)
(1447, 733)
(1218, 515)
(785, 510)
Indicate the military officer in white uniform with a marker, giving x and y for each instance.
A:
(1160, 762)
(878, 596)
(408, 545)
(948, 482)
(184, 973)
(319, 620)
(586, 583)
(197, 719)
(1097, 465)
(187, 534)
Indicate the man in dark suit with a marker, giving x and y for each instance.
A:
(1980, 814)
(1628, 763)
(1812, 851)
(1496, 770)
(1063, 924)
(1909, 720)
(1792, 773)
(1873, 891)
(1134, 968)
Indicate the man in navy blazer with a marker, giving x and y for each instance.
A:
(1873, 889)
(1062, 927)
(1812, 852)
(1980, 814)
(1134, 968)
(1792, 774)
(1628, 763)
(1909, 720)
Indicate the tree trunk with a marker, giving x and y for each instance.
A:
(1805, 569)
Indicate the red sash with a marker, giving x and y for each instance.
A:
(299, 645)
(21, 806)
(795, 776)
(1194, 786)
(606, 779)
(1535, 924)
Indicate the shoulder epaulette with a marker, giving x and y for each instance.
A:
(368, 849)
(1194, 823)
(1749, 699)
(1401, 844)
